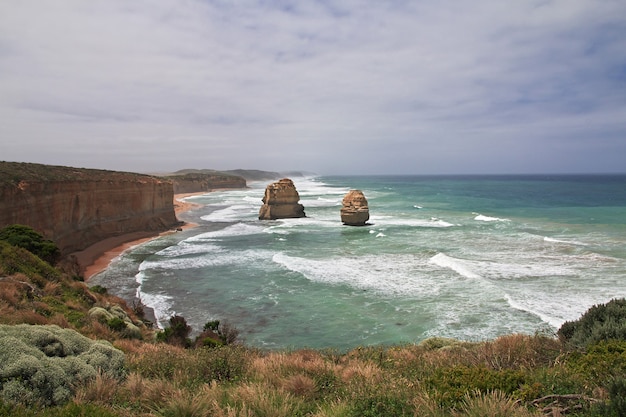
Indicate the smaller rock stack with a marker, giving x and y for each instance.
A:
(281, 201)
(355, 211)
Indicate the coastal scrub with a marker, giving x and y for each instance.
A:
(41, 365)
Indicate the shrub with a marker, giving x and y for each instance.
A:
(177, 333)
(616, 406)
(116, 324)
(14, 260)
(452, 383)
(27, 238)
(217, 334)
(601, 362)
(600, 322)
(98, 289)
(43, 364)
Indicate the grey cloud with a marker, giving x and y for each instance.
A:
(398, 86)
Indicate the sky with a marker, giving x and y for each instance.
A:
(332, 87)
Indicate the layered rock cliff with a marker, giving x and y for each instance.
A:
(198, 182)
(281, 201)
(355, 210)
(77, 207)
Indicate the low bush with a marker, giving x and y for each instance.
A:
(15, 260)
(27, 238)
(177, 333)
(41, 365)
(600, 322)
(616, 404)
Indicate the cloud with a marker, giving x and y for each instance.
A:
(328, 86)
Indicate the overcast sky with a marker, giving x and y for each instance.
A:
(333, 87)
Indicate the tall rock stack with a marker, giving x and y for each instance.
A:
(281, 201)
(355, 211)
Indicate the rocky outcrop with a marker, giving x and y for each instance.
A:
(198, 182)
(281, 201)
(77, 207)
(355, 211)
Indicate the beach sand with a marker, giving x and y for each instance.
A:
(97, 257)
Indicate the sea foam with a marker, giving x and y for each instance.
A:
(391, 274)
(483, 218)
(459, 266)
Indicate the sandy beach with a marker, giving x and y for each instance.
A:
(97, 257)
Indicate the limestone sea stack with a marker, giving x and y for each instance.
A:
(281, 201)
(355, 211)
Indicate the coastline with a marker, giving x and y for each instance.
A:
(97, 257)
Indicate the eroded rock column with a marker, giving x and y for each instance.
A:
(355, 211)
(281, 201)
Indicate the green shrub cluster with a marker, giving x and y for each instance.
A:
(600, 322)
(27, 238)
(14, 259)
(177, 333)
(41, 365)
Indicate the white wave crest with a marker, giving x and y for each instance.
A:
(391, 221)
(457, 265)
(566, 242)
(483, 218)
(159, 303)
(231, 213)
(237, 229)
(552, 321)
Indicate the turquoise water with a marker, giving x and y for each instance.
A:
(464, 257)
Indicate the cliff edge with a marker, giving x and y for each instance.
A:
(195, 182)
(78, 207)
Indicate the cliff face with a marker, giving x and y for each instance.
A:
(76, 208)
(197, 182)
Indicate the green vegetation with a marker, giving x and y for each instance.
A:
(600, 323)
(53, 371)
(41, 365)
(25, 237)
(13, 173)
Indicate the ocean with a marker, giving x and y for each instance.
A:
(466, 257)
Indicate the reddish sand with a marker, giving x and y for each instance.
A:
(97, 258)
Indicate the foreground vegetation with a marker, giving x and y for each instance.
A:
(582, 372)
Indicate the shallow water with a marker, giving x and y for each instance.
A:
(464, 257)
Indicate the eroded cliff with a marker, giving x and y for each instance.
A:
(197, 182)
(77, 207)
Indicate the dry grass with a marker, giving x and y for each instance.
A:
(262, 400)
(60, 320)
(52, 288)
(130, 346)
(101, 390)
(99, 330)
(300, 385)
(24, 316)
(493, 404)
(517, 351)
(10, 293)
(359, 371)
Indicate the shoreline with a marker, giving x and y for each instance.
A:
(98, 256)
